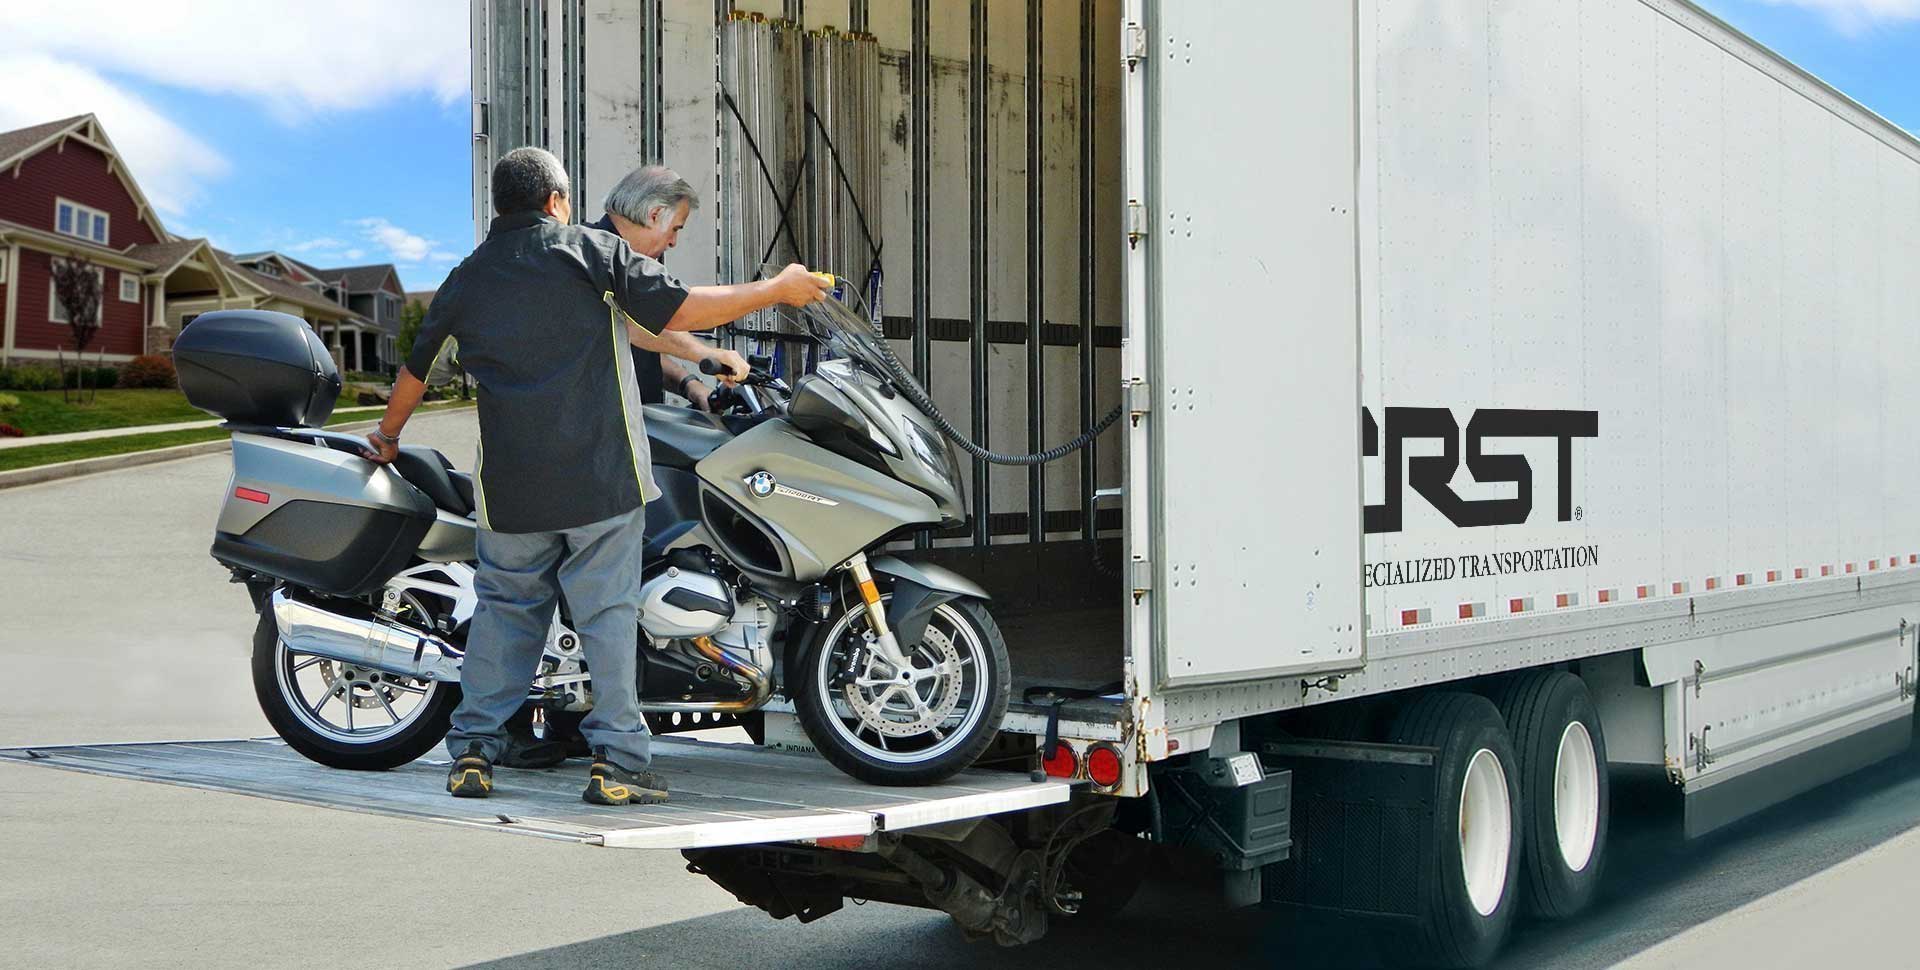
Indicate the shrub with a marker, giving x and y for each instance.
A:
(29, 378)
(148, 371)
(8, 402)
(104, 377)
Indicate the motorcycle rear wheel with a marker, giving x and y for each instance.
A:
(881, 735)
(404, 718)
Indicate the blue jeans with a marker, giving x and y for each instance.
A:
(519, 581)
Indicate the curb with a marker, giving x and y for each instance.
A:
(132, 459)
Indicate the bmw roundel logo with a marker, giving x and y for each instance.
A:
(761, 483)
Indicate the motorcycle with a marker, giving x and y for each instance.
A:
(765, 573)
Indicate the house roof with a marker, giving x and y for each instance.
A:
(165, 255)
(363, 279)
(280, 289)
(422, 297)
(18, 144)
(20, 141)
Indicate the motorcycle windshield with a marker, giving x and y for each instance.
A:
(846, 332)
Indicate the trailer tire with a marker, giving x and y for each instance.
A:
(1467, 904)
(1563, 789)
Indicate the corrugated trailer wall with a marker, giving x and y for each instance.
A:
(988, 268)
(1684, 290)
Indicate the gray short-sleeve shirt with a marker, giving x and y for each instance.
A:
(539, 310)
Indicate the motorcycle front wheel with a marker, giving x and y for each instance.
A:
(912, 727)
(343, 715)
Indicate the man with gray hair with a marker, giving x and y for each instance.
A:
(648, 208)
(544, 312)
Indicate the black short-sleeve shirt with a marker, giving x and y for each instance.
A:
(646, 363)
(539, 310)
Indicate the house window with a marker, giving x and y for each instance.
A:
(58, 313)
(129, 288)
(74, 219)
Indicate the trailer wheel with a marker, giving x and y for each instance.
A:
(1468, 903)
(1563, 786)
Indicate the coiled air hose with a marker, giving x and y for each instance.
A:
(918, 395)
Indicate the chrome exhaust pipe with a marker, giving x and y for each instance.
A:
(385, 647)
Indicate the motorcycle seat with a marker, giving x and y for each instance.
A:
(431, 472)
(680, 437)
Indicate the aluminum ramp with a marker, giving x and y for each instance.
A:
(722, 794)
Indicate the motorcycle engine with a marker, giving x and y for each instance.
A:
(678, 602)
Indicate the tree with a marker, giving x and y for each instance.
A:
(76, 286)
(411, 317)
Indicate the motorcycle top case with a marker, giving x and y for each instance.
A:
(257, 367)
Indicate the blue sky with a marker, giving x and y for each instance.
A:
(339, 131)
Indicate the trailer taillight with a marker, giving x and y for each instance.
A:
(1061, 761)
(1103, 765)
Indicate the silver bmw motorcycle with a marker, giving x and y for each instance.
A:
(764, 575)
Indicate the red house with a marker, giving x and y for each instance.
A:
(66, 194)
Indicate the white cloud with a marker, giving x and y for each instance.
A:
(401, 246)
(324, 244)
(296, 58)
(1853, 16)
(171, 165)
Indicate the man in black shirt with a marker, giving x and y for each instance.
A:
(648, 208)
(545, 313)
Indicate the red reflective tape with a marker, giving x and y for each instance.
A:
(1850, 567)
(1713, 582)
(1516, 606)
(1466, 611)
(1800, 572)
(252, 495)
(1773, 575)
(1409, 617)
(1643, 592)
(842, 842)
(1826, 570)
(1873, 564)
(1560, 600)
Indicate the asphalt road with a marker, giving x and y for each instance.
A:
(115, 626)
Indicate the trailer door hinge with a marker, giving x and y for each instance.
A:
(1904, 680)
(1139, 401)
(1133, 44)
(1699, 676)
(1136, 222)
(1142, 577)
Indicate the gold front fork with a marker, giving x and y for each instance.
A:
(883, 639)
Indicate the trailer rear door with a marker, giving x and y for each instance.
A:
(1246, 247)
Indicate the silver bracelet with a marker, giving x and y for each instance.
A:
(392, 439)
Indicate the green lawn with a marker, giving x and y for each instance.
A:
(28, 456)
(43, 412)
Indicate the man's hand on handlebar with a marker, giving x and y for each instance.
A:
(725, 364)
(795, 286)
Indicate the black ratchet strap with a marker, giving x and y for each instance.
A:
(1057, 697)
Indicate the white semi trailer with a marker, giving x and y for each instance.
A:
(1513, 397)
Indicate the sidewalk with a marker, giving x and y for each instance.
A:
(54, 439)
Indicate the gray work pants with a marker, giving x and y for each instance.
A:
(519, 582)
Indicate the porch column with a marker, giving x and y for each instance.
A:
(13, 302)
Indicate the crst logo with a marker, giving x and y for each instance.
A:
(1429, 474)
